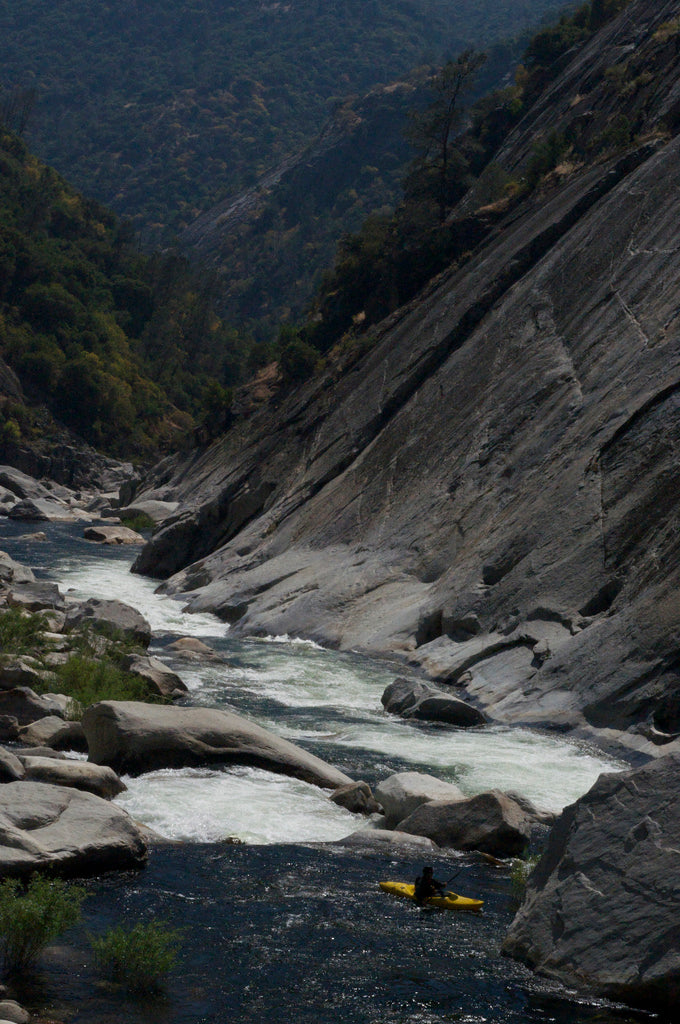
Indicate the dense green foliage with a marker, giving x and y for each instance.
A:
(159, 110)
(31, 916)
(88, 680)
(119, 346)
(137, 957)
(19, 632)
(392, 256)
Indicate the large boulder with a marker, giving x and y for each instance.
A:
(490, 822)
(387, 841)
(411, 698)
(158, 677)
(91, 778)
(110, 616)
(55, 733)
(11, 768)
(35, 597)
(400, 794)
(601, 906)
(18, 672)
(64, 831)
(14, 572)
(132, 737)
(26, 706)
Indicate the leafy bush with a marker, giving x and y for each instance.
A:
(19, 631)
(88, 680)
(519, 875)
(31, 918)
(138, 957)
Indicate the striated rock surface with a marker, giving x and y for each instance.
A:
(601, 908)
(132, 738)
(498, 473)
(65, 831)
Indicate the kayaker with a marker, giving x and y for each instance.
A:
(427, 885)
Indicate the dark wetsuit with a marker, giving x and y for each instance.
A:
(427, 886)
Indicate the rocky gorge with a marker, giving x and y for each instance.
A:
(488, 495)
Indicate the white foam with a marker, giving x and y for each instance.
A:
(255, 806)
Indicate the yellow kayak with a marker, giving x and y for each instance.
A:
(451, 901)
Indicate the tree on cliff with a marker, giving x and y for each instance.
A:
(433, 129)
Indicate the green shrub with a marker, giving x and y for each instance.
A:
(19, 631)
(138, 957)
(139, 521)
(519, 875)
(88, 680)
(31, 916)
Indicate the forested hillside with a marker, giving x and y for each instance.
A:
(161, 110)
(118, 346)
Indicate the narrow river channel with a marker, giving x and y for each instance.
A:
(277, 926)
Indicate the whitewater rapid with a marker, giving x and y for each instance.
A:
(328, 702)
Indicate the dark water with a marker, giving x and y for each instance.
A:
(294, 933)
(285, 933)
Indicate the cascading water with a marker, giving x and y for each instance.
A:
(279, 928)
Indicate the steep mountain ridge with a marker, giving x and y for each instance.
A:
(490, 492)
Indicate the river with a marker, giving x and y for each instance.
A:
(275, 924)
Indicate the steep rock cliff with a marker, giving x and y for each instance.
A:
(491, 492)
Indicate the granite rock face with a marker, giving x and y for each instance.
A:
(497, 476)
(601, 908)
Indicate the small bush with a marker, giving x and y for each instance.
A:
(519, 875)
(89, 681)
(139, 957)
(19, 631)
(31, 916)
(140, 521)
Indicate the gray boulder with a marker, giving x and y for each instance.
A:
(402, 793)
(26, 706)
(356, 797)
(489, 822)
(112, 535)
(193, 649)
(601, 906)
(133, 737)
(55, 733)
(155, 509)
(91, 778)
(14, 572)
(64, 831)
(411, 698)
(11, 768)
(380, 840)
(12, 1013)
(157, 676)
(35, 597)
(9, 728)
(109, 616)
(18, 672)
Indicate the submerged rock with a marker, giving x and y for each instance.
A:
(601, 907)
(112, 535)
(64, 831)
(133, 737)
